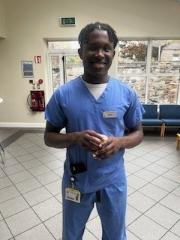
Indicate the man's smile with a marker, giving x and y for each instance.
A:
(98, 63)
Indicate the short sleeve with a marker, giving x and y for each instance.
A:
(134, 114)
(54, 112)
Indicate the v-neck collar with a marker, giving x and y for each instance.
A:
(90, 94)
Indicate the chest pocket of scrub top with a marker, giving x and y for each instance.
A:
(113, 116)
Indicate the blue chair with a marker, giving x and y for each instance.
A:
(170, 115)
(150, 117)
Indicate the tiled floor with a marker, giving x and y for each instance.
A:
(30, 191)
(6, 132)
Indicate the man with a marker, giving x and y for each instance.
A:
(95, 110)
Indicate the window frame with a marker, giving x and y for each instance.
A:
(148, 74)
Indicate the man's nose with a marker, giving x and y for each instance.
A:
(99, 53)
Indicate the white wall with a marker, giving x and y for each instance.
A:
(29, 22)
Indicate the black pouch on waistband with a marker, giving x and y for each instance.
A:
(78, 168)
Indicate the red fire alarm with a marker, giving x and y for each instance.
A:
(40, 81)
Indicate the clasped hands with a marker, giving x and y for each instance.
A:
(100, 145)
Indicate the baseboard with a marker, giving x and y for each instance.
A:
(21, 125)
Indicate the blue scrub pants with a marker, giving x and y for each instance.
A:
(111, 209)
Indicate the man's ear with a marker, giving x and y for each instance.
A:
(80, 52)
(114, 53)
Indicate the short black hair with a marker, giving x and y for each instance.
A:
(85, 32)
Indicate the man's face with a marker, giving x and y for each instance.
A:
(97, 54)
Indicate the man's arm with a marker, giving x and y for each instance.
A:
(87, 139)
(134, 137)
(53, 137)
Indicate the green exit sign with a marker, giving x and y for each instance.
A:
(67, 21)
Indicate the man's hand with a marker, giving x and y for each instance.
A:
(90, 140)
(108, 147)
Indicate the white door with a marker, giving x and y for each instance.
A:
(63, 68)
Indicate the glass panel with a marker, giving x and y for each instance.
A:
(132, 65)
(67, 45)
(74, 67)
(131, 68)
(163, 89)
(160, 68)
(165, 57)
(132, 51)
(138, 84)
(55, 63)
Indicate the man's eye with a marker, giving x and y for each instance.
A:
(107, 49)
(93, 49)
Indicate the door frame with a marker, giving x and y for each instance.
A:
(61, 53)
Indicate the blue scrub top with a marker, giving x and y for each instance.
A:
(73, 107)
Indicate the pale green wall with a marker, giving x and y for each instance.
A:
(28, 22)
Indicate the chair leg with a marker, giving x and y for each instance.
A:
(2, 154)
(163, 130)
(177, 145)
(177, 142)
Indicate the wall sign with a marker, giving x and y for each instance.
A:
(37, 59)
(67, 21)
(27, 69)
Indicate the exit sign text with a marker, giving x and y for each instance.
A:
(67, 21)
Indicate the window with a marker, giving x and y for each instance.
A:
(132, 65)
(152, 68)
(63, 45)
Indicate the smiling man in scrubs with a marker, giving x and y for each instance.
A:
(96, 110)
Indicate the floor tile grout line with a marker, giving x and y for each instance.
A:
(27, 178)
(161, 175)
(33, 155)
(30, 208)
(151, 163)
(52, 195)
(44, 185)
(134, 234)
(168, 193)
(159, 157)
(7, 224)
(147, 196)
(40, 174)
(156, 202)
(27, 169)
(157, 178)
(169, 230)
(91, 233)
(158, 186)
(12, 138)
(35, 177)
(144, 213)
(41, 223)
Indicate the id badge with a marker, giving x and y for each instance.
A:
(110, 114)
(73, 195)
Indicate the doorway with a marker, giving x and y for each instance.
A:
(64, 63)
